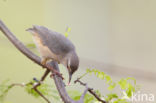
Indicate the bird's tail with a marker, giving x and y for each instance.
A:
(31, 30)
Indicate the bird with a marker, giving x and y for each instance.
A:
(56, 47)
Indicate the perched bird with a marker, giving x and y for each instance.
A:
(55, 46)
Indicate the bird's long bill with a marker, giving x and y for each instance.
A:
(70, 76)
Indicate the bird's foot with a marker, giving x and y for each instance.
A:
(44, 61)
(55, 72)
(58, 74)
(58, 62)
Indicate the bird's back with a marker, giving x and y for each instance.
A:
(56, 42)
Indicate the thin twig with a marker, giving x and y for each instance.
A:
(91, 91)
(84, 93)
(39, 83)
(41, 95)
(83, 75)
(23, 85)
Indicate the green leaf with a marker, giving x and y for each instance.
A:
(31, 45)
(68, 29)
(130, 78)
(130, 90)
(112, 86)
(120, 101)
(111, 96)
(88, 70)
(66, 34)
(44, 89)
(123, 83)
(77, 97)
(101, 75)
(108, 79)
(4, 89)
(95, 71)
(89, 98)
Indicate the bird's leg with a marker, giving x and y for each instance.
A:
(44, 61)
(55, 72)
(58, 74)
(58, 62)
(39, 83)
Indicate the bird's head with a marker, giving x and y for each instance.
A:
(72, 64)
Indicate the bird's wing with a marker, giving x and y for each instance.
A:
(56, 42)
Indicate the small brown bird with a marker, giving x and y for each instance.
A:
(55, 46)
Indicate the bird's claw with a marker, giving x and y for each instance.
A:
(44, 61)
(58, 74)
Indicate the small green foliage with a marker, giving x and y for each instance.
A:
(102, 76)
(111, 86)
(128, 87)
(31, 45)
(75, 95)
(98, 93)
(111, 96)
(4, 89)
(125, 85)
(130, 90)
(43, 88)
(120, 101)
(31, 91)
(89, 99)
(108, 79)
(67, 31)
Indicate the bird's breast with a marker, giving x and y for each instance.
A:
(44, 51)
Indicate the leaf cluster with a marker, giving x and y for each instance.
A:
(127, 86)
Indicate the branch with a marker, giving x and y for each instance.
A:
(41, 95)
(91, 91)
(21, 47)
(24, 85)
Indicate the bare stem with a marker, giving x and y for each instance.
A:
(91, 91)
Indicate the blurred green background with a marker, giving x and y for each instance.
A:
(115, 36)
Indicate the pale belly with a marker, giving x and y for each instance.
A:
(44, 51)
